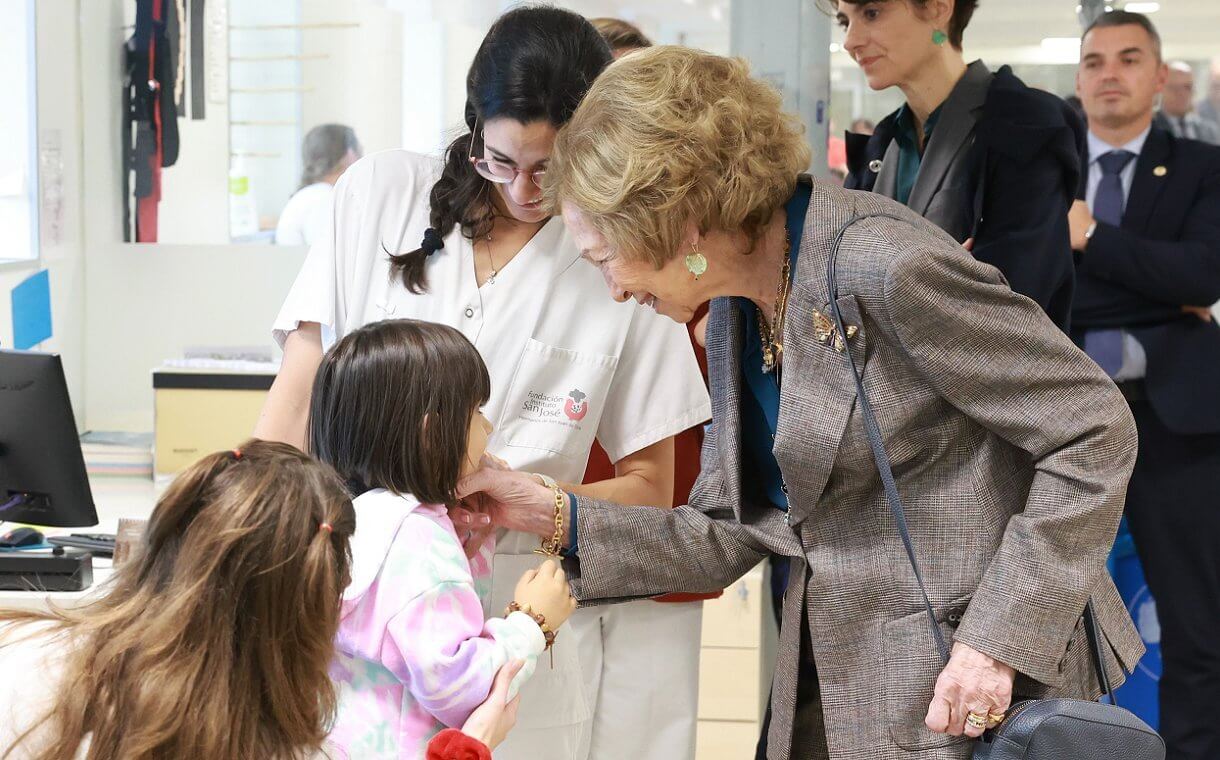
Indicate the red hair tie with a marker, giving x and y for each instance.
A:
(326, 527)
(237, 454)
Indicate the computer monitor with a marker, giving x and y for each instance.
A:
(42, 472)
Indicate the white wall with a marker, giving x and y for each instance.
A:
(120, 309)
(58, 112)
(146, 303)
(360, 82)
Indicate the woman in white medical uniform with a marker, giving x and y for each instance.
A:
(568, 365)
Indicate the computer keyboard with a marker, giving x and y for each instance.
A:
(101, 544)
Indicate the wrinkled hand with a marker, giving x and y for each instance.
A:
(1079, 221)
(472, 515)
(514, 500)
(492, 720)
(1202, 312)
(971, 682)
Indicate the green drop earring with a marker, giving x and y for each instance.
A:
(939, 37)
(696, 263)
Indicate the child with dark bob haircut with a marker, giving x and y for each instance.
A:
(396, 411)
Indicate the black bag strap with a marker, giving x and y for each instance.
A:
(873, 432)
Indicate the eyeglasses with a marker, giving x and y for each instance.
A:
(499, 172)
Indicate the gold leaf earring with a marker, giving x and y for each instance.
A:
(696, 263)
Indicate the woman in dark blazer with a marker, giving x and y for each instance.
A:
(975, 152)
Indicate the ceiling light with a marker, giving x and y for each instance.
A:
(1061, 44)
(835, 47)
(1061, 50)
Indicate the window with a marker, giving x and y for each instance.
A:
(18, 133)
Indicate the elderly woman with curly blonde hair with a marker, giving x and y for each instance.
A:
(680, 177)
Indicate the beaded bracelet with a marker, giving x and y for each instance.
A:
(538, 618)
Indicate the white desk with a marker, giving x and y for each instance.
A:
(115, 498)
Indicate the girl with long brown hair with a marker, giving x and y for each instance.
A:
(213, 641)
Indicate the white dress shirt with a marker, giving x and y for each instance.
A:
(1135, 360)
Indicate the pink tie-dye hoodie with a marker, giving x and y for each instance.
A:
(414, 654)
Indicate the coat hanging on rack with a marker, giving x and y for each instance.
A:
(150, 117)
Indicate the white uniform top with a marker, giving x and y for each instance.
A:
(568, 364)
(303, 219)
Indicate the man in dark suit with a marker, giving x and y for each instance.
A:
(1178, 105)
(1147, 236)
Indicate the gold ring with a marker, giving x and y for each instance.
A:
(977, 720)
(998, 717)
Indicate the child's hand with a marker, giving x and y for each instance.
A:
(545, 591)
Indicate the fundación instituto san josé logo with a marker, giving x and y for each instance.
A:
(575, 406)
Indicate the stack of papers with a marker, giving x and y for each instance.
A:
(118, 455)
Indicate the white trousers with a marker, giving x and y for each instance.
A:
(641, 663)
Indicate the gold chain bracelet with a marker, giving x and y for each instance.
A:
(554, 547)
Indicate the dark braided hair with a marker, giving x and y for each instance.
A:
(536, 63)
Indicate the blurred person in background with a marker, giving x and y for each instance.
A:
(863, 127)
(621, 36)
(326, 153)
(1178, 105)
(1209, 107)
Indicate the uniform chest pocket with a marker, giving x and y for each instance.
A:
(556, 399)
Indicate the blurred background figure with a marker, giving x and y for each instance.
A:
(326, 153)
(621, 36)
(862, 127)
(1178, 105)
(1209, 107)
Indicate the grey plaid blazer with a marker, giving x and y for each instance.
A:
(1012, 452)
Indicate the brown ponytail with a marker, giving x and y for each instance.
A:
(459, 197)
(214, 640)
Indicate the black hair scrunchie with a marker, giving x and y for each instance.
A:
(432, 242)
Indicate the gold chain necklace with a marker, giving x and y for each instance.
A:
(491, 279)
(772, 335)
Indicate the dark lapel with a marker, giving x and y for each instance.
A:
(1152, 171)
(887, 178)
(724, 348)
(817, 393)
(950, 136)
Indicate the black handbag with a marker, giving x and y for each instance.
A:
(1036, 729)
